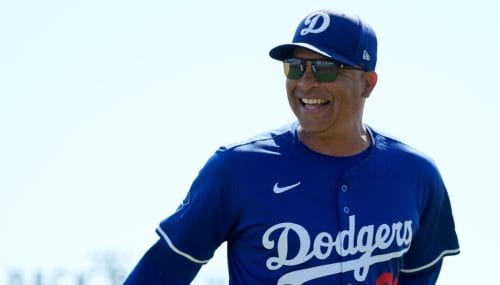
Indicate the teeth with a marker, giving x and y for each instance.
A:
(314, 101)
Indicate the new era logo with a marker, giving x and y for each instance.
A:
(366, 55)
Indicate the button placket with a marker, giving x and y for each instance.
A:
(344, 189)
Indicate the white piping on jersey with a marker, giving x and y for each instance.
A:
(432, 263)
(178, 251)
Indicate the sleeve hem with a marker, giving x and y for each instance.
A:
(432, 263)
(165, 237)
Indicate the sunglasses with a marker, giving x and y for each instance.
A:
(323, 70)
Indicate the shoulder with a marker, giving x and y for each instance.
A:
(269, 142)
(400, 154)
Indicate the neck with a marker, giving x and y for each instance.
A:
(340, 143)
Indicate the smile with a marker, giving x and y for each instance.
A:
(314, 102)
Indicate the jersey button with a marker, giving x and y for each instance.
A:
(346, 210)
(344, 188)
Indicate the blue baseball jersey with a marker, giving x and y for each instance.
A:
(293, 216)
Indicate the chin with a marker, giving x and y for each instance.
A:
(312, 128)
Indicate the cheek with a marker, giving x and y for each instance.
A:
(290, 85)
(290, 88)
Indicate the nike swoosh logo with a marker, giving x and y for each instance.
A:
(278, 190)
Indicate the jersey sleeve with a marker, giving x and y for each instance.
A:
(205, 218)
(436, 236)
(426, 277)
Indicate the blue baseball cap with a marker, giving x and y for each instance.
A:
(336, 35)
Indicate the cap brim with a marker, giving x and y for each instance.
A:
(283, 52)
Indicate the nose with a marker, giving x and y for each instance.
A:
(308, 81)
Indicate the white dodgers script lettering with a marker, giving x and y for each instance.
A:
(345, 243)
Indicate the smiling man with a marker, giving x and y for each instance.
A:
(324, 200)
(330, 115)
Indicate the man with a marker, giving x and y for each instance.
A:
(325, 200)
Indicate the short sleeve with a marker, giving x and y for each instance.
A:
(206, 216)
(436, 236)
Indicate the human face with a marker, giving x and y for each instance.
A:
(328, 108)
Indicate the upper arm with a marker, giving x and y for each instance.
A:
(190, 236)
(207, 216)
(436, 236)
(161, 266)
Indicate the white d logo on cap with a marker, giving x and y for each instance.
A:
(312, 21)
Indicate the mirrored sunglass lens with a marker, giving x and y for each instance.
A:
(325, 71)
(293, 69)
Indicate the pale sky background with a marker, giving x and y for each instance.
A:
(108, 109)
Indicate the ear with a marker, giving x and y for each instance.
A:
(370, 79)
